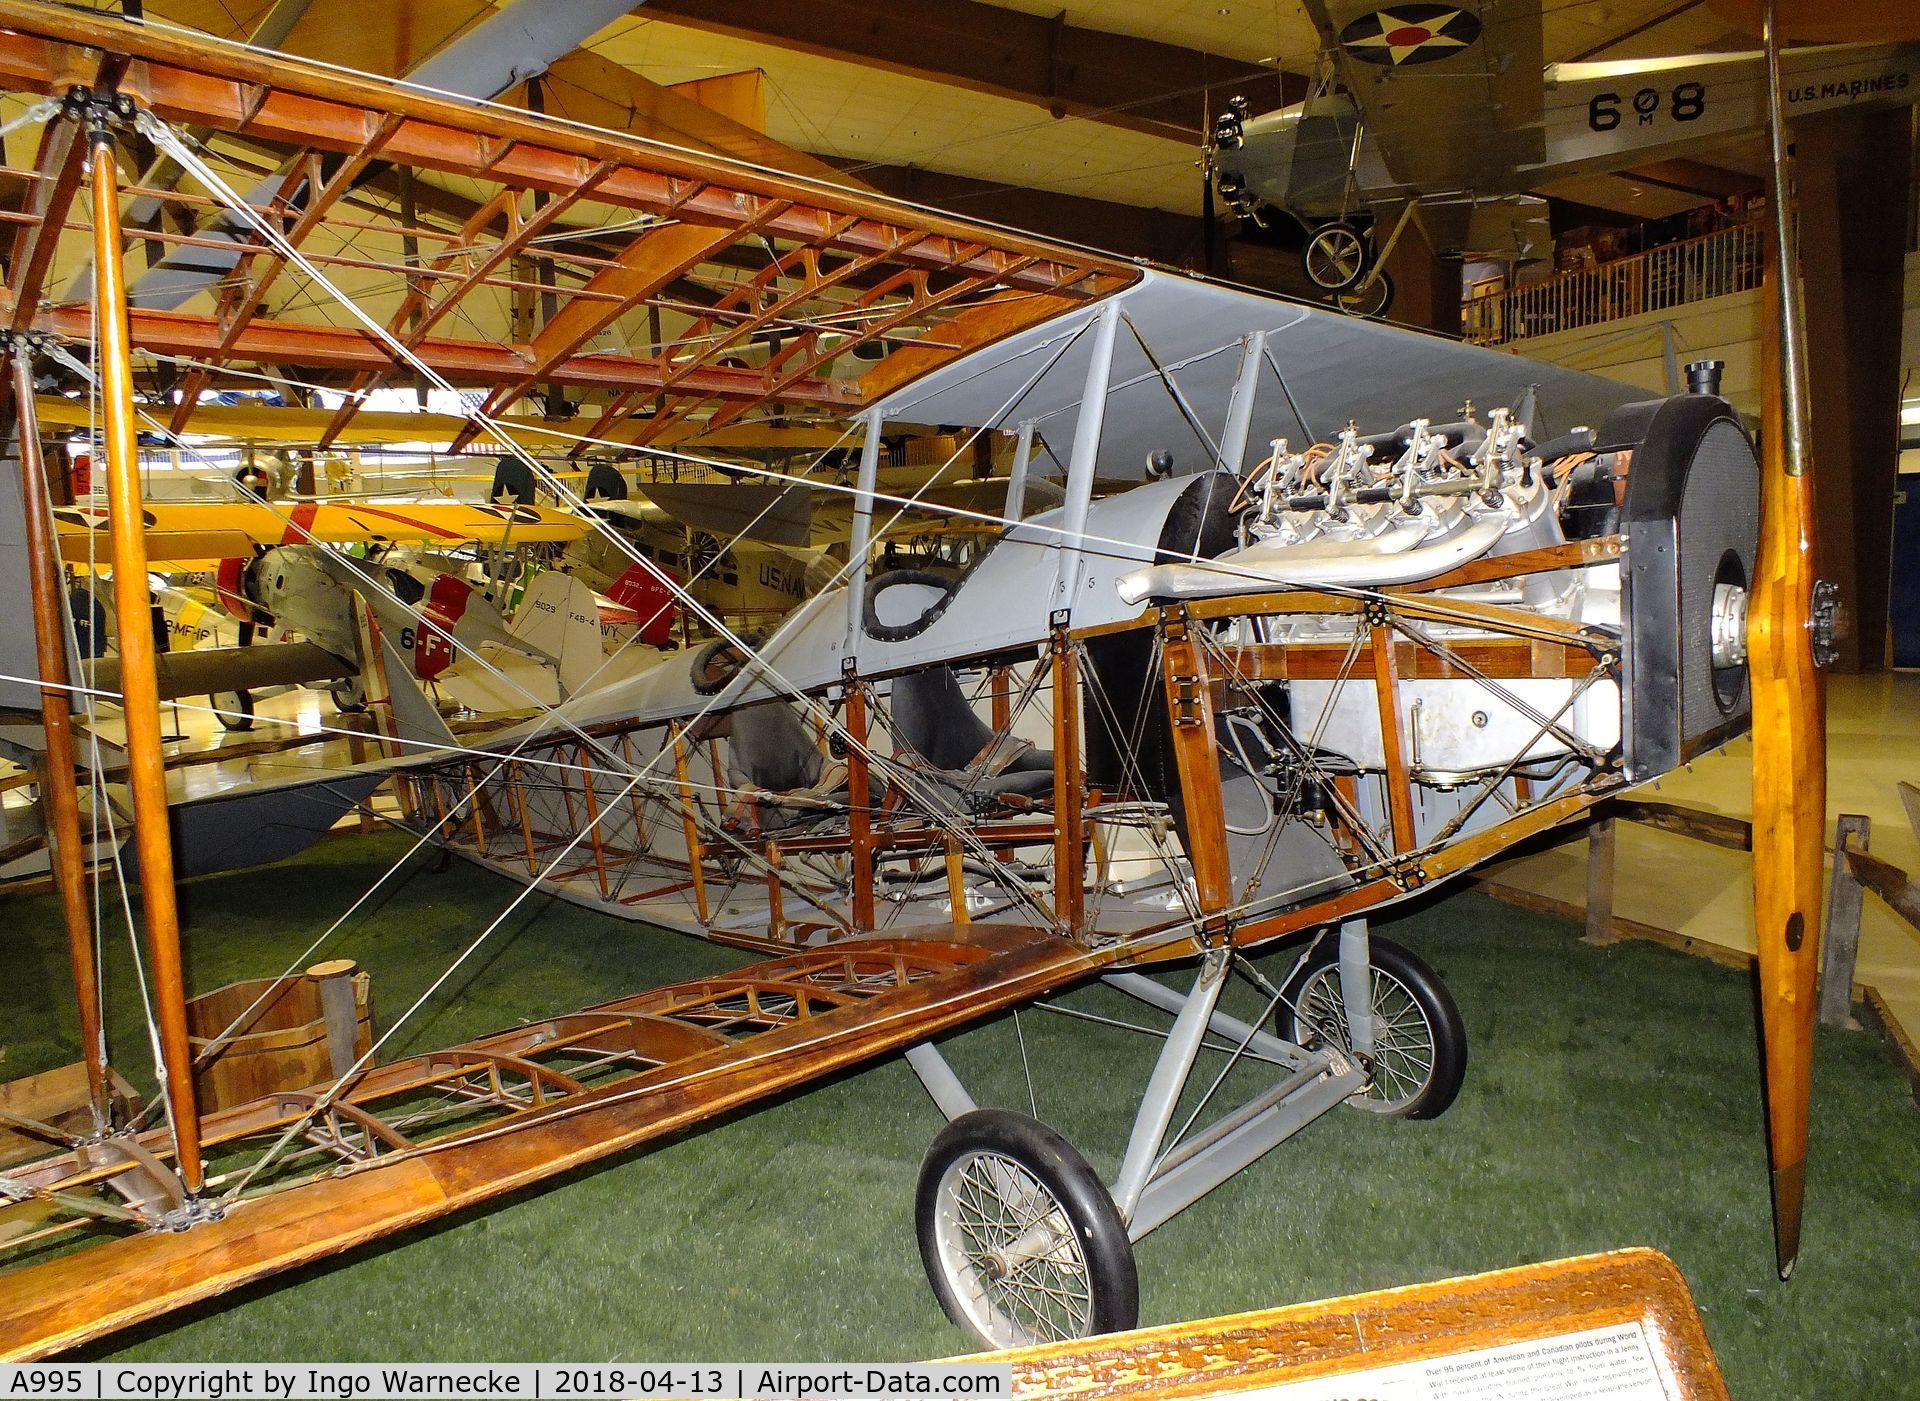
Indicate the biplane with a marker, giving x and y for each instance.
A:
(1374, 607)
(270, 576)
(1357, 160)
(754, 553)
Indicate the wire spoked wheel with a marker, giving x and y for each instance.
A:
(1368, 301)
(1021, 1241)
(1336, 256)
(1419, 1042)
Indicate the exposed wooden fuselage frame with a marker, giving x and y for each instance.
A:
(490, 812)
(539, 1100)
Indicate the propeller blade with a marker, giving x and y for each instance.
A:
(1789, 799)
(1209, 222)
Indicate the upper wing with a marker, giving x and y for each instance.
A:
(267, 425)
(689, 291)
(1321, 369)
(776, 514)
(1451, 93)
(1603, 116)
(197, 531)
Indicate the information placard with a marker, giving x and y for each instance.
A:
(1597, 1364)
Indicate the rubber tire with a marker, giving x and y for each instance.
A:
(1113, 1278)
(1378, 300)
(346, 697)
(240, 723)
(1424, 986)
(1337, 231)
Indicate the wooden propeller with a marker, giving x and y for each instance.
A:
(1789, 796)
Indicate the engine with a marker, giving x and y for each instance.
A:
(1638, 538)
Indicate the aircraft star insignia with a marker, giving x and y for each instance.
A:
(1410, 34)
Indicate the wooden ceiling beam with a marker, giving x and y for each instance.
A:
(1129, 230)
(587, 87)
(1140, 84)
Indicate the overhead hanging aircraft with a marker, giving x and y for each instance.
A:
(1447, 113)
(1346, 636)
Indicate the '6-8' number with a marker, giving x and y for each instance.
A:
(1685, 103)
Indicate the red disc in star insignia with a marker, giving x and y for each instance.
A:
(1396, 35)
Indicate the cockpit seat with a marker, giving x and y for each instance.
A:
(778, 775)
(951, 748)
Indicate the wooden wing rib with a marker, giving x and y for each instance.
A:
(640, 278)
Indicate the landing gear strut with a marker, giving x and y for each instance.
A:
(1022, 1242)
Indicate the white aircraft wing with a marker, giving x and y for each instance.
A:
(775, 514)
(1601, 116)
(1321, 369)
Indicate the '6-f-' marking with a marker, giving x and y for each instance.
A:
(1684, 104)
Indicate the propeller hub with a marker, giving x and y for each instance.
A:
(1729, 625)
(1824, 622)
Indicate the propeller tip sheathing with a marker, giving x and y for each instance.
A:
(1789, 1187)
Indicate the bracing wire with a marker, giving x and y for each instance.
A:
(764, 668)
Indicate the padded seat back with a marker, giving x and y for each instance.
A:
(770, 748)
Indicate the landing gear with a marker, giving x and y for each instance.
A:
(1020, 1239)
(1336, 256)
(1419, 1055)
(347, 696)
(235, 709)
(1370, 299)
(1024, 1244)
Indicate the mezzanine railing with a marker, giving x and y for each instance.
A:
(1660, 279)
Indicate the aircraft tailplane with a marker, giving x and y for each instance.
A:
(560, 619)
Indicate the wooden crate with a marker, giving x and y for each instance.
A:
(58, 1099)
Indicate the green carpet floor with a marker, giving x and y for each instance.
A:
(1612, 1100)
